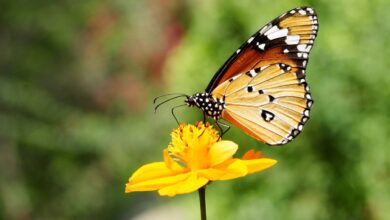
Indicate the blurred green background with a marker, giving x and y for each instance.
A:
(76, 116)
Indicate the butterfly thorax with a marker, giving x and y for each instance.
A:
(210, 105)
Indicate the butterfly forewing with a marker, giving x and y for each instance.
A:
(287, 39)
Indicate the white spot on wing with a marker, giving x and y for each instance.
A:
(253, 73)
(303, 47)
(261, 46)
(250, 40)
(292, 39)
(272, 30)
(263, 67)
(278, 34)
(310, 10)
(265, 28)
(302, 12)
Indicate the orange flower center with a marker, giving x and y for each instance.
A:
(190, 145)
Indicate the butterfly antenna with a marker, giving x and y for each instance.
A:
(169, 94)
(157, 106)
(173, 112)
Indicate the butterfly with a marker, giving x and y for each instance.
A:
(261, 88)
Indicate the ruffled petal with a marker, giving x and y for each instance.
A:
(192, 183)
(221, 151)
(258, 164)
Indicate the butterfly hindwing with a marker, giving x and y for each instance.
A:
(271, 103)
(287, 39)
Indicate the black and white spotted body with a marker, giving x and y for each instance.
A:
(210, 105)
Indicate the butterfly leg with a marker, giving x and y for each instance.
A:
(218, 123)
(204, 122)
(173, 112)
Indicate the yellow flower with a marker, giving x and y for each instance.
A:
(195, 157)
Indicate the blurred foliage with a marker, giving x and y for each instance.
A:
(76, 117)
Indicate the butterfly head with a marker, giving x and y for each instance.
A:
(193, 100)
(199, 99)
(211, 106)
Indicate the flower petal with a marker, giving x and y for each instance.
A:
(230, 169)
(221, 151)
(190, 184)
(171, 164)
(234, 170)
(258, 164)
(153, 176)
(155, 184)
(212, 174)
(150, 171)
(251, 154)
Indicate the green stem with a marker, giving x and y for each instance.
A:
(202, 200)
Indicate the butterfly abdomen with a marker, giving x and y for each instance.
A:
(210, 105)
